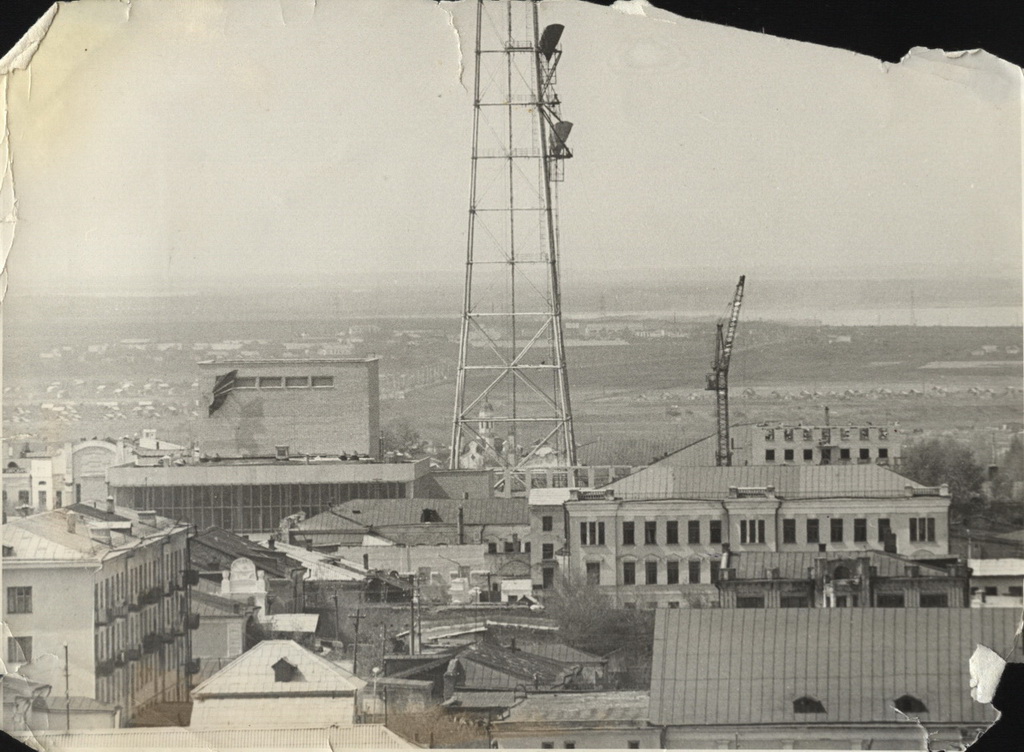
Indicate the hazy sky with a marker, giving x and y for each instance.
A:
(192, 141)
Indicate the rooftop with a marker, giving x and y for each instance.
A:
(381, 513)
(997, 567)
(324, 739)
(253, 674)
(669, 479)
(855, 662)
(288, 361)
(215, 548)
(564, 708)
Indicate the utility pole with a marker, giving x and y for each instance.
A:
(355, 649)
(67, 687)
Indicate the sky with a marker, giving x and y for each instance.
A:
(181, 144)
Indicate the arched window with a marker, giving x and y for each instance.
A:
(807, 704)
(910, 704)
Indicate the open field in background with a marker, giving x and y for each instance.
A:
(631, 402)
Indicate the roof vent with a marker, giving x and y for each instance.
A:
(281, 451)
(910, 704)
(807, 704)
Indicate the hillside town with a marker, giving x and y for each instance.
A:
(267, 550)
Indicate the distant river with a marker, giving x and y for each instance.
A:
(985, 316)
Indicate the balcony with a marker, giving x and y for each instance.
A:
(152, 596)
(151, 643)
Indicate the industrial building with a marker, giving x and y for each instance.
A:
(255, 495)
(316, 407)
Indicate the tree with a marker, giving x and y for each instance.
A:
(401, 436)
(937, 461)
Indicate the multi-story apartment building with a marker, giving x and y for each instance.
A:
(103, 589)
(658, 536)
(794, 444)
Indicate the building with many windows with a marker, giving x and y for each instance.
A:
(658, 537)
(328, 406)
(255, 495)
(109, 584)
(795, 444)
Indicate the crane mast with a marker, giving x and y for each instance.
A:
(718, 379)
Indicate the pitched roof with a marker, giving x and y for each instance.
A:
(381, 513)
(252, 673)
(226, 547)
(731, 666)
(30, 544)
(361, 736)
(557, 651)
(320, 566)
(480, 700)
(490, 666)
(666, 479)
(799, 565)
(582, 707)
(211, 604)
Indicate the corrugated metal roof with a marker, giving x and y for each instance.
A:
(557, 651)
(491, 666)
(575, 707)
(795, 565)
(733, 666)
(468, 700)
(252, 673)
(362, 736)
(225, 547)
(30, 545)
(667, 480)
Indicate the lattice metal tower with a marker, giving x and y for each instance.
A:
(512, 407)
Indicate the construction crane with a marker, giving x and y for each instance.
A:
(718, 379)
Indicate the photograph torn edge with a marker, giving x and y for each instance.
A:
(20, 57)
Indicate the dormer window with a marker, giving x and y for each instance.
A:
(807, 704)
(285, 671)
(910, 704)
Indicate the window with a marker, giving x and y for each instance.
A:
(807, 705)
(934, 600)
(593, 573)
(769, 435)
(884, 528)
(673, 604)
(510, 547)
(922, 529)
(789, 531)
(694, 572)
(865, 434)
(693, 531)
(750, 601)
(889, 600)
(787, 454)
(808, 434)
(271, 382)
(546, 523)
(628, 533)
(769, 455)
(991, 590)
(547, 551)
(1017, 590)
(592, 533)
(492, 548)
(547, 745)
(547, 578)
(19, 649)
(835, 526)
(322, 381)
(245, 382)
(787, 434)
(672, 572)
(716, 569)
(296, 382)
(812, 531)
(865, 453)
(910, 704)
(883, 433)
(58, 500)
(715, 531)
(808, 455)
(883, 453)
(633, 744)
(19, 600)
(844, 453)
(650, 532)
(651, 571)
(860, 530)
(826, 435)
(629, 573)
(671, 532)
(794, 601)
(751, 531)
(42, 498)
(570, 745)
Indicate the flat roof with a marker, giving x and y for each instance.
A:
(288, 361)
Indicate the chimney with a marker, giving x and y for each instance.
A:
(270, 544)
(148, 517)
(110, 505)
